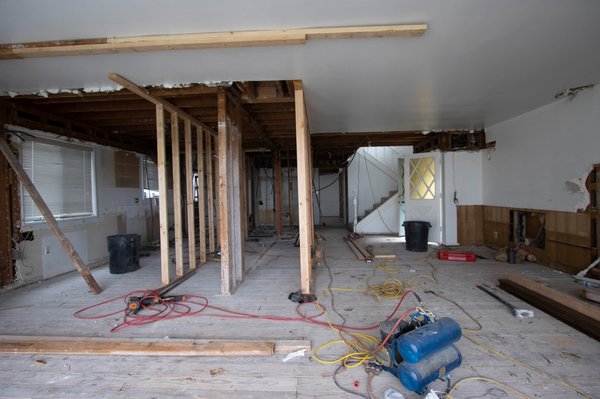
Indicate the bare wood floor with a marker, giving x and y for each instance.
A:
(47, 309)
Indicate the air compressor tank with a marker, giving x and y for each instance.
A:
(416, 376)
(420, 343)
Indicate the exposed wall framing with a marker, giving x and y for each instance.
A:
(230, 216)
(192, 149)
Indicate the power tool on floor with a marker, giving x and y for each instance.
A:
(421, 349)
(137, 303)
(152, 297)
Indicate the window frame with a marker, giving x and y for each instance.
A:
(58, 141)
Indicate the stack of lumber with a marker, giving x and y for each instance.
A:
(359, 250)
(568, 308)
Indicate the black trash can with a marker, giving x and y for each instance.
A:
(123, 253)
(416, 233)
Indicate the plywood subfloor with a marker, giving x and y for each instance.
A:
(47, 308)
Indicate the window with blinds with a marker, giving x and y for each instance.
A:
(63, 173)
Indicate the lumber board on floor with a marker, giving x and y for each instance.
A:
(145, 347)
(591, 294)
(580, 315)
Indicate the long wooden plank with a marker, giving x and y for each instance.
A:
(49, 217)
(163, 210)
(277, 193)
(567, 308)
(189, 198)
(36, 344)
(201, 203)
(177, 213)
(130, 347)
(276, 37)
(210, 195)
(304, 168)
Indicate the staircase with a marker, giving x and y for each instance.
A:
(373, 178)
(377, 205)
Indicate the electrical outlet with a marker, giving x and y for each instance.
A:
(47, 250)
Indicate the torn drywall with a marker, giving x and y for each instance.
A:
(576, 186)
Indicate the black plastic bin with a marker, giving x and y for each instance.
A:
(123, 253)
(416, 233)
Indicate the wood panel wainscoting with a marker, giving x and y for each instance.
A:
(568, 243)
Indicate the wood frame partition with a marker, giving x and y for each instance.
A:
(193, 149)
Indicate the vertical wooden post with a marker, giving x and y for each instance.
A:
(210, 196)
(47, 213)
(230, 234)
(305, 211)
(236, 234)
(224, 156)
(277, 193)
(161, 166)
(177, 194)
(244, 195)
(189, 183)
(289, 175)
(7, 268)
(215, 166)
(201, 203)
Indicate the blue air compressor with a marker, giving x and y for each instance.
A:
(421, 349)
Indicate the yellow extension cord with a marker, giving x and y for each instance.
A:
(361, 346)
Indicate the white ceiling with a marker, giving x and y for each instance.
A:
(480, 62)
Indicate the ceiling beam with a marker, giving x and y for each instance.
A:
(129, 85)
(279, 37)
(251, 121)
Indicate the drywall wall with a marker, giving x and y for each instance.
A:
(373, 174)
(119, 211)
(542, 157)
(462, 185)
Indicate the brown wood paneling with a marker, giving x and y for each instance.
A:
(470, 224)
(127, 170)
(568, 236)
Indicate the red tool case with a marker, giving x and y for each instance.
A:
(462, 256)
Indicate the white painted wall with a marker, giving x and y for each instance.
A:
(537, 153)
(462, 185)
(43, 257)
(328, 191)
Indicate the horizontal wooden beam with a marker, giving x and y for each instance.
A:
(279, 37)
(47, 345)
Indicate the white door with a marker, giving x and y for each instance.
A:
(423, 196)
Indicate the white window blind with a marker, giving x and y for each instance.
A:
(62, 173)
